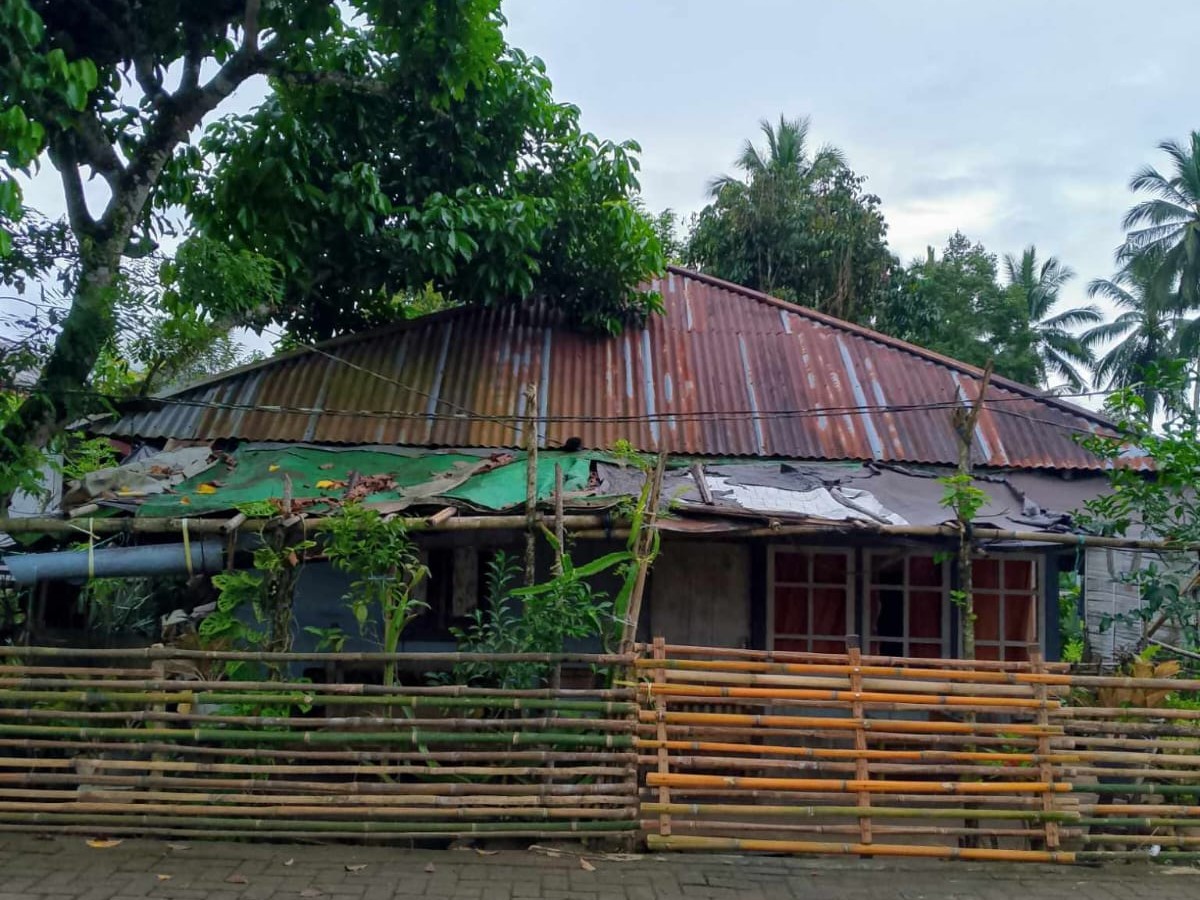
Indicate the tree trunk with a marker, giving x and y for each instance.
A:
(60, 396)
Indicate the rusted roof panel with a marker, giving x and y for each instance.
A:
(725, 372)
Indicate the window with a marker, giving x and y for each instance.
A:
(1006, 621)
(907, 605)
(810, 600)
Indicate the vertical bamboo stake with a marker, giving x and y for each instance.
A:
(964, 427)
(660, 709)
(644, 544)
(861, 766)
(1046, 766)
(559, 531)
(531, 444)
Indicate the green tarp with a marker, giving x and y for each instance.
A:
(475, 480)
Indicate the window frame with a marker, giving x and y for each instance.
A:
(1039, 592)
(851, 557)
(906, 640)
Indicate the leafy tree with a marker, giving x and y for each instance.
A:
(357, 199)
(954, 305)
(1166, 226)
(1148, 331)
(1161, 504)
(407, 122)
(1060, 351)
(796, 224)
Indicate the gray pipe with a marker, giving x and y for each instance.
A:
(152, 559)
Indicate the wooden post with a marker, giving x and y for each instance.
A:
(862, 770)
(964, 427)
(1045, 765)
(642, 550)
(660, 711)
(531, 444)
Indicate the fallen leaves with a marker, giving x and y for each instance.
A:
(585, 865)
(207, 487)
(104, 843)
(312, 892)
(236, 878)
(288, 862)
(486, 852)
(355, 868)
(326, 484)
(273, 467)
(430, 868)
(179, 846)
(162, 877)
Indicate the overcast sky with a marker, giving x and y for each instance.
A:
(1016, 121)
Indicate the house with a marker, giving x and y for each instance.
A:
(803, 507)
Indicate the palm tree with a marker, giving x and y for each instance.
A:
(1167, 224)
(1060, 352)
(1150, 329)
(785, 157)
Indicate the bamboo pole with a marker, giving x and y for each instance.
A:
(662, 756)
(418, 659)
(587, 527)
(852, 696)
(531, 463)
(373, 755)
(408, 736)
(852, 786)
(964, 421)
(360, 812)
(645, 545)
(835, 812)
(344, 831)
(739, 845)
(861, 761)
(441, 695)
(877, 726)
(780, 662)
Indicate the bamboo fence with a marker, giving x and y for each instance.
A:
(99, 742)
(745, 750)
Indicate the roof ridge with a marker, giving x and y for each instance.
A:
(889, 341)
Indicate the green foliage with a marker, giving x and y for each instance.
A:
(961, 496)
(113, 606)
(13, 603)
(1166, 226)
(262, 594)
(358, 201)
(1070, 623)
(796, 225)
(954, 305)
(37, 78)
(388, 566)
(402, 144)
(1162, 504)
(538, 619)
(1060, 352)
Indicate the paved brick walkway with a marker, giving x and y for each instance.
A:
(67, 869)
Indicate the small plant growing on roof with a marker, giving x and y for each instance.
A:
(388, 570)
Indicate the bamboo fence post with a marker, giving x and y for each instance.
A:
(964, 426)
(861, 764)
(645, 543)
(531, 443)
(660, 708)
(559, 532)
(1046, 764)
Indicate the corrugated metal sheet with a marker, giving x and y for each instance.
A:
(725, 372)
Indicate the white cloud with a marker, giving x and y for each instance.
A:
(917, 223)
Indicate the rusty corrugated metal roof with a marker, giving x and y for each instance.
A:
(725, 372)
